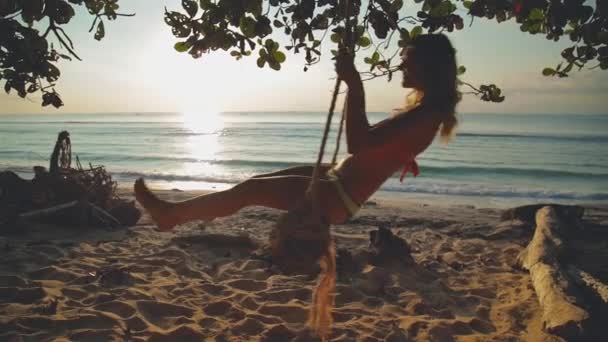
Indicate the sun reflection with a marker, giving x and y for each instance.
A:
(203, 128)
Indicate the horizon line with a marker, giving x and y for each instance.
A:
(290, 111)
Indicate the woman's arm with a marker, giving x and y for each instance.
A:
(357, 125)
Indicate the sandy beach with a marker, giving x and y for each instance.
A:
(203, 282)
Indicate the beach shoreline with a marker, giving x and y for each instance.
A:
(393, 199)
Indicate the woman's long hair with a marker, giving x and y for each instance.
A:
(436, 58)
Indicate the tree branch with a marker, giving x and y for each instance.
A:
(12, 16)
(63, 43)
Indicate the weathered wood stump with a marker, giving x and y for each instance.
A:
(563, 314)
(299, 243)
(388, 248)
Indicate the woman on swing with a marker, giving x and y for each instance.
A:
(375, 152)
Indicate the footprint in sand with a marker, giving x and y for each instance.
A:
(120, 309)
(278, 333)
(288, 313)
(161, 314)
(219, 308)
(287, 295)
(184, 333)
(248, 285)
(53, 273)
(248, 327)
(21, 295)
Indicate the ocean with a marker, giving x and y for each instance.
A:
(494, 160)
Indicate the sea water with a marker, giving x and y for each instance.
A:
(493, 159)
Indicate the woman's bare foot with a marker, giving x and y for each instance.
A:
(159, 210)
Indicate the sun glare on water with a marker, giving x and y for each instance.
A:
(203, 128)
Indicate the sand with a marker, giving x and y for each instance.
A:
(200, 281)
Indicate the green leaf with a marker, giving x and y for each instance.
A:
(252, 6)
(359, 30)
(415, 31)
(100, 32)
(180, 24)
(316, 43)
(536, 14)
(375, 57)
(535, 28)
(335, 37)
(364, 41)
(46, 99)
(236, 55)
(396, 5)
(61, 12)
(467, 4)
(277, 24)
(182, 46)
(190, 6)
(94, 6)
(247, 26)
(271, 45)
(261, 61)
(549, 72)
(274, 65)
(278, 56)
(443, 9)
(461, 70)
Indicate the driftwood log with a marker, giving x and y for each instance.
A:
(527, 213)
(563, 314)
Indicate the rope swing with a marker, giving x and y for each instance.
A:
(302, 236)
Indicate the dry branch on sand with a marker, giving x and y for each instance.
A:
(65, 195)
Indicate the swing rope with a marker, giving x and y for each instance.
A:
(320, 318)
(339, 136)
(313, 187)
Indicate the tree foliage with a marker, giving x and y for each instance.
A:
(245, 28)
(28, 57)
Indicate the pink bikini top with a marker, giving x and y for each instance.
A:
(409, 166)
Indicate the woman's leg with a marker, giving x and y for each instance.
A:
(281, 192)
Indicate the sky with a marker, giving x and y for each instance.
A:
(135, 69)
